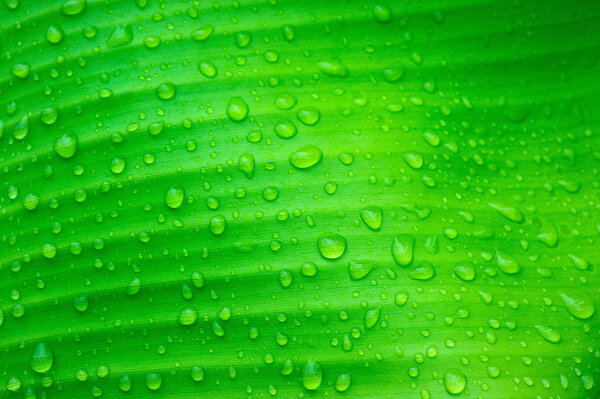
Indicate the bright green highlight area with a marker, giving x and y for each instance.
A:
(299, 199)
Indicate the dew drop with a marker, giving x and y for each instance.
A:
(331, 245)
(312, 375)
(305, 157)
(42, 359)
(402, 249)
(454, 381)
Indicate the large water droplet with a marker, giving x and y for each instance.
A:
(121, 35)
(73, 7)
(331, 245)
(42, 359)
(237, 109)
(454, 381)
(174, 197)
(187, 317)
(578, 305)
(306, 156)
(359, 269)
(372, 217)
(66, 146)
(312, 375)
(402, 249)
(507, 263)
(153, 381)
(508, 211)
(548, 333)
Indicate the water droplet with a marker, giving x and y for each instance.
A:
(454, 381)
(125, 383)
(197, 373)
(73, 7)
(21, 128)
(121, 35)
(333, 67)
(506, 263)
(54, 34)
(20, 70)
(187, 317)
(80, 303)
(402, 249)
(331, 245)
(285, 278)
(285, 101)
(31, 201)
(117, 165)
(133, 287)
(166, 90)
(382, 13)
(285, 129)
(548, 333)
(217, 224)
(312, 375)
(413, 159)
(237, 109)
(153, 381)
(174, 197)
(578, 305)
(43, 359)
(243, 39)
(401, 298)
(342, 383)
(424, 271)
(465, 271)
(66, 146)
(203, 33)
(309, 116)
(309, 269)
(49, 116)
(359, 269)
(246, 164)
(371, 318)
(372, 217)
(508, 211)
(207, 69)
(305, 157)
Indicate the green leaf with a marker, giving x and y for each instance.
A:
(299, 199)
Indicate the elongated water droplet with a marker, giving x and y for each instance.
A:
(413, 159)
(125, 383)
(207, 69)
(506, 263)
(203, 33)
(578, 305)
(42, 359)
(246, 164)
(21, 128)
(548, 333)
(402, 249)
(371, 318)
(217, 224)
(508, 211)
(54, 34)
(312, 375)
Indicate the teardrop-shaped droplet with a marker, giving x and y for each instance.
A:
(359, 269)
(333, 67)
(424, 271)
(73, 7)
(402, 249)
(371, 318)
(454, 381)
(153, 381)
(506, 263)
(312, 375)
(508, 211)
(42, 359)
(465, 271)
(578, 305)
(548, 333)
(174, 197)
(372, 217)
(121, 35)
